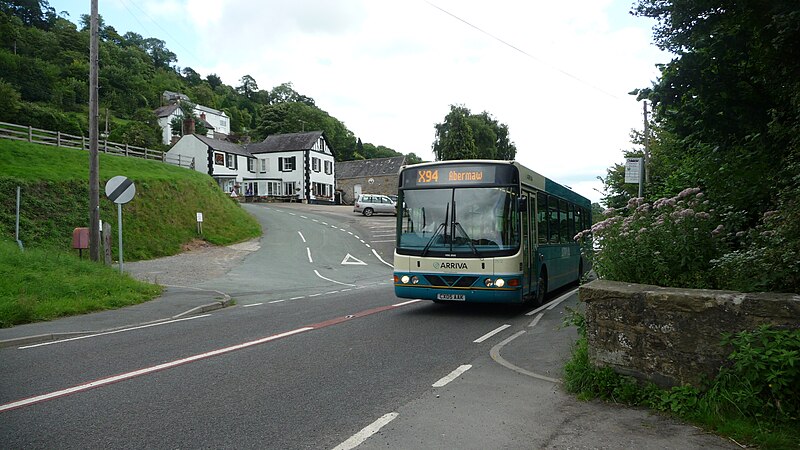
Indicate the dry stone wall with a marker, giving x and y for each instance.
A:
(672, 336)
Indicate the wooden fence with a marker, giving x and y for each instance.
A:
(59, 139)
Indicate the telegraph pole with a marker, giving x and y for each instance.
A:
(94, 159)
(646, 146)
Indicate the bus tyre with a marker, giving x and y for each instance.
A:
(368, 212)
(541, 291)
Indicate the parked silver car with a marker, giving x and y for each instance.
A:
(369, 204)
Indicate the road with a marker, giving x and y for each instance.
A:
(316, 353)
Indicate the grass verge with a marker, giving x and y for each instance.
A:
(38, 285)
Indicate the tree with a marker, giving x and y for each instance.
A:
(248, 87)
(34, 13)
(159, 53)
(464, 135)
(191, 76)
(285, 93)
(214, 81)
(727, 104)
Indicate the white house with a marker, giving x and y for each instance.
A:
(216, 122)
(226, 162)
(299, 165)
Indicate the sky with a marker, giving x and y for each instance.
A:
(557, 73)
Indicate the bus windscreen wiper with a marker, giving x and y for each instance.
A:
(457, 226)
(442, 226)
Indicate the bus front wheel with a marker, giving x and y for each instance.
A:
(541, 289)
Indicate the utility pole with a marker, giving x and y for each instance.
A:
(646, 146)
(94, 159)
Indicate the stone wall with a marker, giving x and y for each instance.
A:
(672, 336)
(381, 184)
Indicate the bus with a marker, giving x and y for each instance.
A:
(485, 231)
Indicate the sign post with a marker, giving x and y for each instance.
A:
(200, 223)
(120, 190)
(634, 172)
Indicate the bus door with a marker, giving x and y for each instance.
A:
(528, 242)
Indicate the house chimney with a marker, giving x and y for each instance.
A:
(188, 127)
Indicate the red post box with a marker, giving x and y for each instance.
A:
(80, 239)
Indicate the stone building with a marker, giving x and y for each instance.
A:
(368, 176)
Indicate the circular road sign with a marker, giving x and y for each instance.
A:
(120, 190)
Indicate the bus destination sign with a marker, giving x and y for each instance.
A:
(451, 176)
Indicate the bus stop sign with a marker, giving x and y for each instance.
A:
(120, 190)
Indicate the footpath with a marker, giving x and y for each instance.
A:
(511, 398)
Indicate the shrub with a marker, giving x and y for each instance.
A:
(670, 242)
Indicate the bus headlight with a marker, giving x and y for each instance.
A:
(414, 280)
(500, 282)
(404, 279)
(488, 282)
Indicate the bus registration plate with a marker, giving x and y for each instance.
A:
(453, 297)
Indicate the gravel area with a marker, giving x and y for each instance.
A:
(198, 262)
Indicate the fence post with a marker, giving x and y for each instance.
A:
(30, 133)
(58, 139)
(83, 143)
(163, 156)
(105, 146)
(126, 149)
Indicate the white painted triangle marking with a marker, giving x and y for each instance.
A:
(353, 261)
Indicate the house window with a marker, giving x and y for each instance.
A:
(250, 189)
(264, 165)
(251, 165)
(322, 190)
(328, 167)
(223, 122)
(315, 166)
(287, 164)
(289, 188)
(231, 161)
(219, 159)
(274, 188)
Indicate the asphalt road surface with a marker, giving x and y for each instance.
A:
(316, 353)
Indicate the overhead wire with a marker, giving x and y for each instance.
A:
(514, 47)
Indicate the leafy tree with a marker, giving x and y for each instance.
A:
(412, 158)
(285, 93)
(34, 13)
(464, 135)
(248, 87)
(10, 102)
(214, 81)
(191, 76)
(160, 54)
(727, 104)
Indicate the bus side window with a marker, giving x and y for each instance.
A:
(542, 217)
(552, 209)
(570, 223)
(563, 207)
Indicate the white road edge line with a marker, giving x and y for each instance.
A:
(553, 304)
(332, 281)
(146, 370)
(301, 236)
(407, 303)
(61, 341)
(495, 354)
(536, 320)
(359, 438)
(453, 375)
(308, 250)
(252, 304)
(491, 333)
(379, 257)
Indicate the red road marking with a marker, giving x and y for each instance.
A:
(168, 365)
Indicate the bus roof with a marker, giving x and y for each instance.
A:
(527, 177)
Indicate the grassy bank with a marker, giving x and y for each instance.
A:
(160, 218)
(38, 285)
(48, 280)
